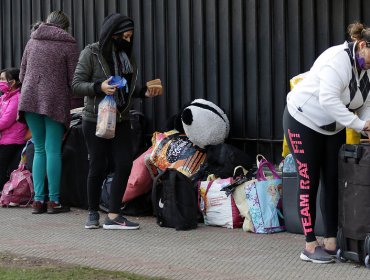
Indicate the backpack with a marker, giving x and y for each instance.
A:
(174, 199)
(105, 193)
(18, 191)
(139, 206)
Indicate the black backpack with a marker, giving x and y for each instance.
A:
(174, 199)
(139, 206)
(105, 193)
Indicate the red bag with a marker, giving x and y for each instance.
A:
(140, 181)
(18, 191)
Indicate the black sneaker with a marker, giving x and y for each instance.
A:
(93, 220)
(319, 256)
(119, 222)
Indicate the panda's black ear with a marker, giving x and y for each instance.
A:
(187, 116)
(178, 124)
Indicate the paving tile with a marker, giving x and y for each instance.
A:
(204, 253)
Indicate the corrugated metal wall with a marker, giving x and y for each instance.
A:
(239, 54)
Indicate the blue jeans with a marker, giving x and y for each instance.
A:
(47, 136)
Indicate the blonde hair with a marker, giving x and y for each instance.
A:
(358, 32)
(59, 18)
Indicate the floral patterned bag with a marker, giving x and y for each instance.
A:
(174, 150)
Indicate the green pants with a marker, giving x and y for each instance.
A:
(47, 136)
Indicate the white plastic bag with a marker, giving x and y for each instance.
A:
(217, 208)
(106, 124)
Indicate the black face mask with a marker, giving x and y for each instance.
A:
(123, 45)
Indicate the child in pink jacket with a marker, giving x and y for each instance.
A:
(12, 133)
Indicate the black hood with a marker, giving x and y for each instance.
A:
(111, 25)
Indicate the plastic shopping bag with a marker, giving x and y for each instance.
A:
(217, 208)
(106, 124)
(120, 82)
(264, 201)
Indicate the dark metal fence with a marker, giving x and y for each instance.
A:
(239, 54)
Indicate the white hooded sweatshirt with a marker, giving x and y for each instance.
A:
(330, 94)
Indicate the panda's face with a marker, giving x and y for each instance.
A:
(205, 123)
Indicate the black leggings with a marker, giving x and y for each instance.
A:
(10, 156)
(314, 154)
(101, 151)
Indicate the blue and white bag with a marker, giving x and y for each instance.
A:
(264, 201)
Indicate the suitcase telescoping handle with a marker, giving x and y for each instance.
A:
(350, 151)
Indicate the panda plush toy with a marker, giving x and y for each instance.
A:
(207, 127)
(205, 123)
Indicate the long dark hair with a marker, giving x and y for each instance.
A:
(12, 74)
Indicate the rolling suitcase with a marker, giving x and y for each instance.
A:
(354, 203)
(75, 166)
(290, 183)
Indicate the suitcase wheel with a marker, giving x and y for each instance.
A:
(341, 240)
(367, 261)
(340, 257)
(367, 251)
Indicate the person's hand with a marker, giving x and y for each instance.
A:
(367, 128)
(153, 91)
(154, 88)
(107, 88)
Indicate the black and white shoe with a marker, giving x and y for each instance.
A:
(119, 222)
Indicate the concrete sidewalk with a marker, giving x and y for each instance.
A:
(204, 253)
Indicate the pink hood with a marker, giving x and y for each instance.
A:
(11, 131)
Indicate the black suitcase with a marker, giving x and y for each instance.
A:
(354, 203)
(75, 167)
(293, 224)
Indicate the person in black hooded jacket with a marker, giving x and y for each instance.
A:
(110, 56)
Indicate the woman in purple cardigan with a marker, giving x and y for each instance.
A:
(47, 68)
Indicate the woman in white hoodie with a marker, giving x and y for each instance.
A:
(333, 95)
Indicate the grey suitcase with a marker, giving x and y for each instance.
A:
(291, 200)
